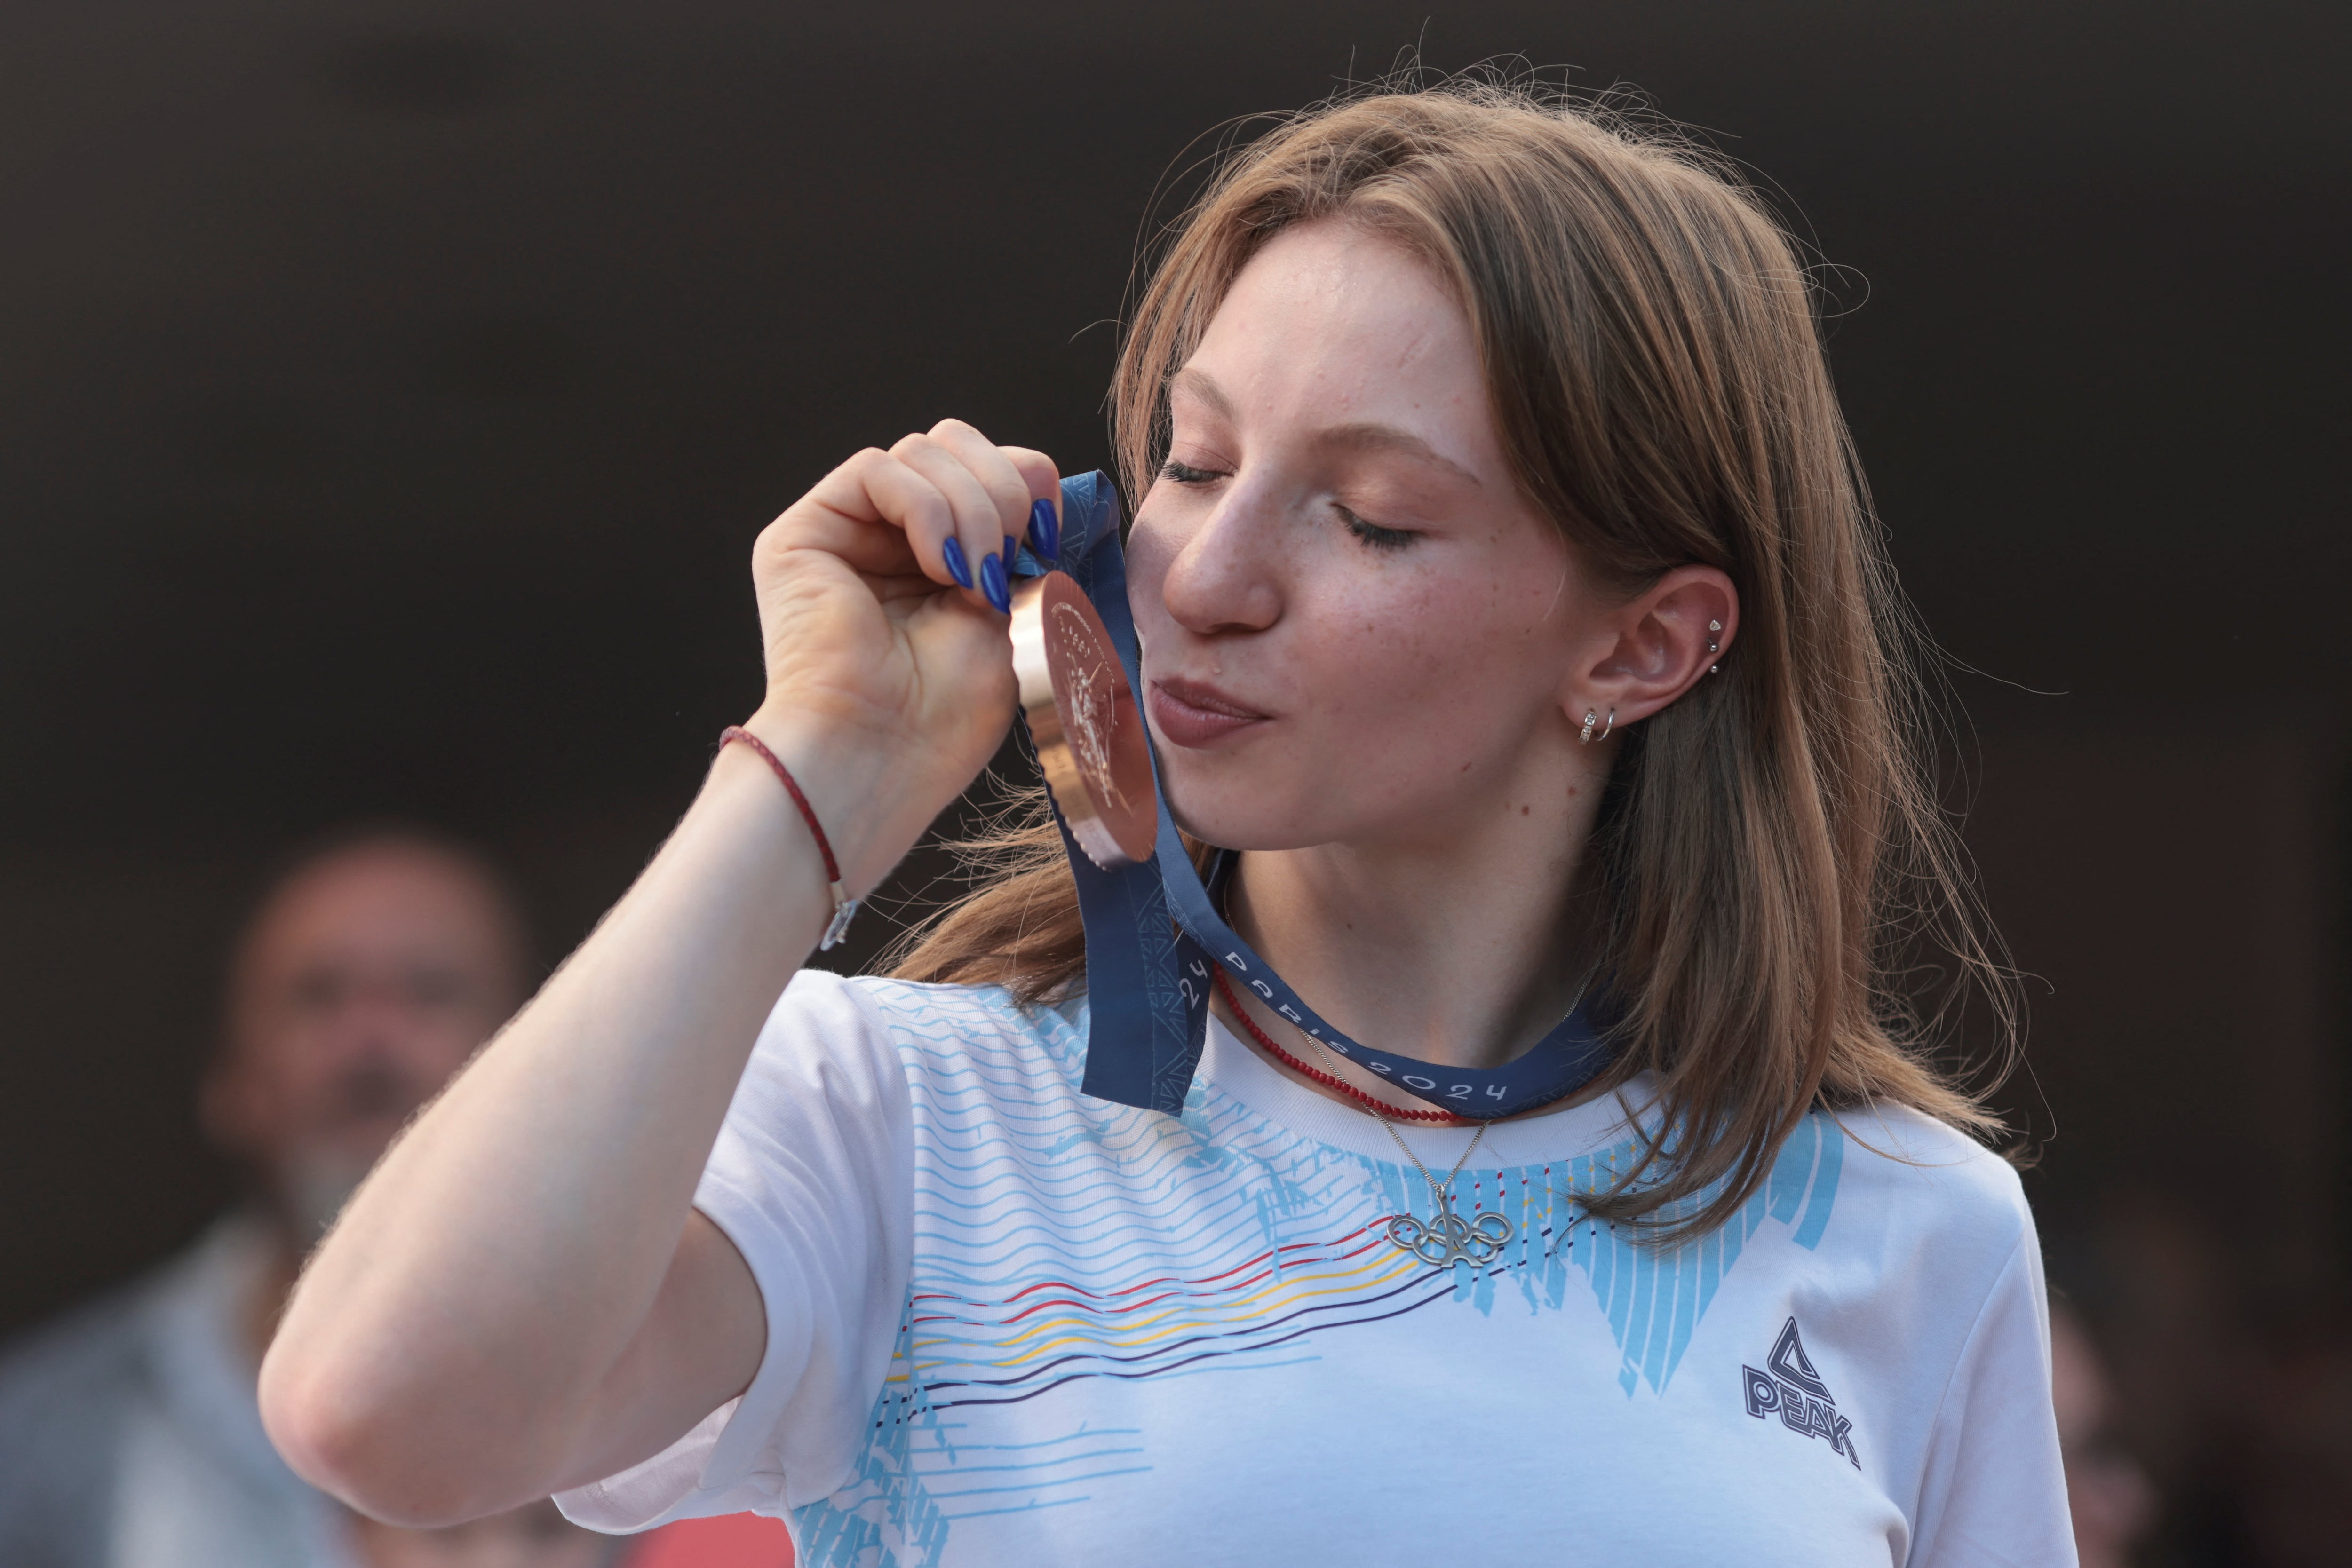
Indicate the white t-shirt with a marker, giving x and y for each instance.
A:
(1011, 1324)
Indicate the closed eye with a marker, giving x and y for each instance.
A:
(1186, 473)
(1373, 535)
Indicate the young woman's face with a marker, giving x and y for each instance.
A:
(1355, 627)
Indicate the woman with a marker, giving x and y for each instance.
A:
(1509, 602)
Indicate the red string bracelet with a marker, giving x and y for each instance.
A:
(845, 908)
(1379, 1107)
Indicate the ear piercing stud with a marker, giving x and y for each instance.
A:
(1714, 627)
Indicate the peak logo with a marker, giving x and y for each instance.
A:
(1792, 1390)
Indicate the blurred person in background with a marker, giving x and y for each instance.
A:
(2286, 1449)
(2111, 1498)
(539, 1536)
(129, 1431)
(536, 1536)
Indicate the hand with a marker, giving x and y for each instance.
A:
(877, 633)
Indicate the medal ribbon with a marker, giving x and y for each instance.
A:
(1153, 930)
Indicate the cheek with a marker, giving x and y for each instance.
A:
(1431, 652)
(1148, 551)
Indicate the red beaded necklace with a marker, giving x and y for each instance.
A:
(1378, 1106)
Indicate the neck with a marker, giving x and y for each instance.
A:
(1464, 952)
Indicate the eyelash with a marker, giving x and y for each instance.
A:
(1374, 535)
(1385, 540)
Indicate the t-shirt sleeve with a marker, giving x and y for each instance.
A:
(812, 1179)
(1995, 1487)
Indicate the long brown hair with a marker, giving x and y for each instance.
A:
(1770, 853)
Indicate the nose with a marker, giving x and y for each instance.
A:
(379, 1023)
(1226, 575)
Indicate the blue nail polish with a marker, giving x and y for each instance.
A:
(1010, 547)
(1044, 532)
(991, 583)
(958, 568)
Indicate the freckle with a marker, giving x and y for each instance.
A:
(1523, 810)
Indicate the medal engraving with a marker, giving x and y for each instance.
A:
(1090, 716)
(1083, 719)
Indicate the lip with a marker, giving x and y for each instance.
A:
(1193, 714)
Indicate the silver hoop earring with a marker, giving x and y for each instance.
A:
(1610, 725)
(1585, 736)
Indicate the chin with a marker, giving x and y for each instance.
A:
(1233, 811)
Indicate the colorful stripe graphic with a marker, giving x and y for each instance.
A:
(1060, 1238)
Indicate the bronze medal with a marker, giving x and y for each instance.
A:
(1084, 721)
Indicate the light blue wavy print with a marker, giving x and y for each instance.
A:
(886, 1498)
(1247, 1177)
(1653, 1297)
(919, 1475)
(1019, 1178)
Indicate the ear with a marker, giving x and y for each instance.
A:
(1660, 649)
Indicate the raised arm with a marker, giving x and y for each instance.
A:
(521, 1298)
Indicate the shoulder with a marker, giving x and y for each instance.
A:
(65, 1386)
(1916, 1183)
(94, 1346)
(922, 1021)
(919, 1030)
(820, 998)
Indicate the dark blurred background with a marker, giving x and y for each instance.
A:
(390, 394)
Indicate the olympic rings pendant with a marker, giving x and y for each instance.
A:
(1447, 1238)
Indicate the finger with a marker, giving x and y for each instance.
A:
(1044, 481)
(873, 487)
(1004, 482)
(979, 522)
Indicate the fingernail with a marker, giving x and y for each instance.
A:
(958, 568)
(991, 583)
(1044, 530)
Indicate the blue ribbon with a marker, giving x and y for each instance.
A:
(1154, 931)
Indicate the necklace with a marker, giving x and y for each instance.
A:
(1443, 1240)
(1267, 1043)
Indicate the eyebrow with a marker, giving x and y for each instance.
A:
(1199, 384)
(1365, 436)
(1361, 435)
